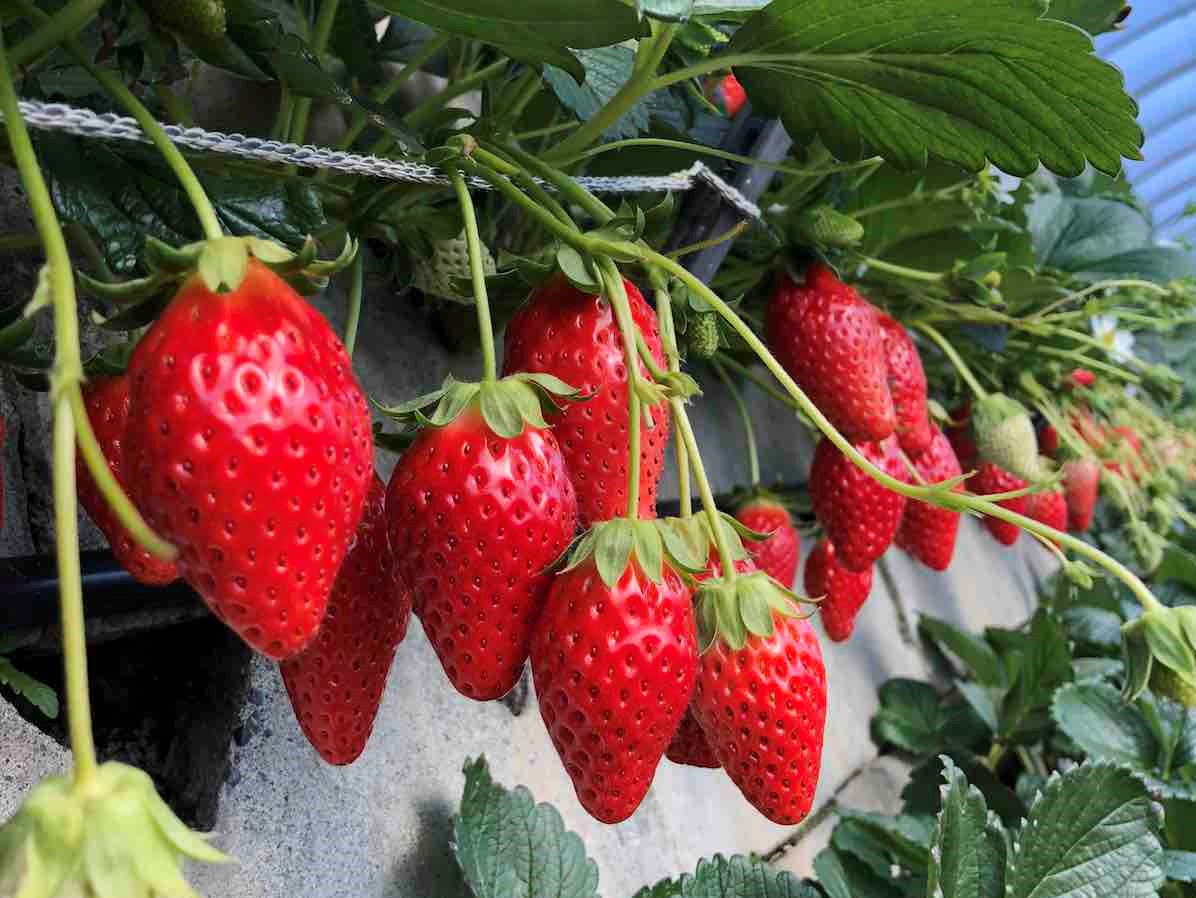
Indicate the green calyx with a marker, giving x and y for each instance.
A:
(222, 264)
(507, 405)
(1160, 651)
(1005, 436)
(825, 227)
(112, 837)
(735, 610)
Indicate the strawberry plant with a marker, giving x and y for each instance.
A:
(946, 226)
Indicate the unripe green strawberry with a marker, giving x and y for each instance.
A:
(1005, 436)
(826, 226)
(701, 334)
(204, 19)
(443, 274)
(1166, 682)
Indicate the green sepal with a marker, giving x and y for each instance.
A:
(687, 542)
(1136, 655)
(111, 839)
(125, 292)
(134, 316)
(162, 258)
(1168, 643)
(16, 334)
(223, 263)
(732, 611)
(577, 269)
(651, 544)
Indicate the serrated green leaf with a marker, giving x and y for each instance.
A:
(742, 877)
(36, 693)
(1104, 725)
(1092, 827)
(607, 69)
(1167, 641)
(915, 79)
(922, 794)
(612, 548)
(967, 855)
(1094, 16)
(906, 837)
(1045, 664)
(666, 888)
(1094, 626)
(1137, 664)
(510, 847)
(915, 718)
(983, 701)
(1180, 866)
(977, 656)
(843, 875)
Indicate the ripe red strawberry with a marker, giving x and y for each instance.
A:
(476, 522)
(761, 701)
(734, 96)
(777, 556)
(249, 447)
(336, 683)
(572, 335)
(859, 515)
(1048, 508)
(927, 531)
(829, 340)
(690, 745)
(614, 669)
(844, 592)
(1081, 489)
(1081, 377)
(907, 385)
(961, 439)
(1048, 440)
(107, 402)
(990, 479)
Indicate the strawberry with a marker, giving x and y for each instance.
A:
(960, 437)
(107, 402)
(690, 745)
(907, 386)
(990, 479)
(1081, 489)
(614, 666)
(336, 683)
(829, 340)
(249, 447)
(1081, 377)
(572, 335)
(761, 693)
(479, 512)
(205, 20)
(734, 96)
(1005, 436)
(859, 515)
(1048, 440)
(844, 592)
(928, 532)
(1048, 507)
(777, 555)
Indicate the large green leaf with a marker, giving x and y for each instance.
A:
(915, 718)
(742, 877)
(977, 656)
(842, 874)
(922, 794)
(607, 69)
(967, 855)
(1092, 832)
(510, 847)
(1073, 233)
(34, 691)
(969, 83)
(1094, 16)
(1045, 664)
(1104, 725)
(123, 197)
(530, 30)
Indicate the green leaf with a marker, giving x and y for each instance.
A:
(533, 30)
(914, 717)
(741, 877)
(977, 655)
(915, 79)
(905, 837)
(1092, 831)
(510, 847)
(606, 71)
(983, 701)
(1094, 16)
(36, 693)
(1094, 626)
(922, 795)
(667, 10)
(843, 875)
(1104, 725)
(1045, 665)
(967, 856)
(1180, 865)
(666, 888)
(577, 269)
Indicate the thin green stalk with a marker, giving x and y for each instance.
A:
(953, 356)
(910, 274)
(383, 94)
(568, 188)
(281, 128)
(172, 104)
(912, 200)
(423, 114)
(546, 131)
(319, 44)
(531, 88)
(477, 270)
(995, 755)
(616, 295)
(686, 432)
(178, 165)
(668, 334)
(760, 382)
(1126, 283)
(643, 80)
(65, 23)
(356, 288)
(729, 234)
(1079, 358)
(542, 196)
(66, 376)
(745, 419)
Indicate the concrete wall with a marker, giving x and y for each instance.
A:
(380, 828)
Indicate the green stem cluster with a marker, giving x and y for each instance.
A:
(477, 271)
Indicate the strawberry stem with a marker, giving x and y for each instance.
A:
(725, 557)
(668, 339)
(66, 376)
(356, 289)
(745, 419)
(112, 83)
(319, 43)
(55, 29)
(1115, 284)
(616, 295)
(477, 270)
(568, 188)
(953, 356)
